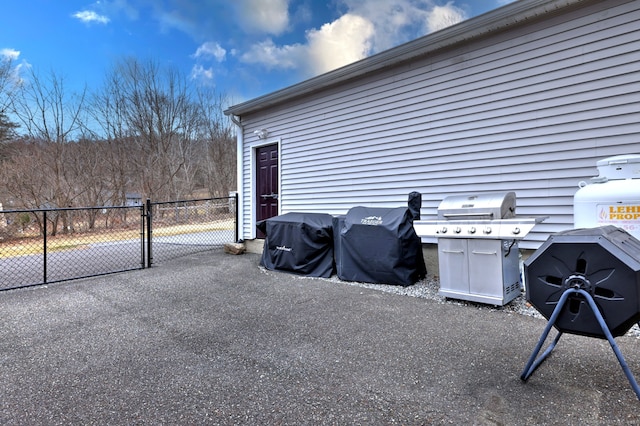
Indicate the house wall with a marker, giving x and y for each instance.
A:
(528, 110)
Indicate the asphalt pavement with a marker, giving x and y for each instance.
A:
(212, 338)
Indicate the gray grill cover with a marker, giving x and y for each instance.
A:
(378, 245)
(300, 243)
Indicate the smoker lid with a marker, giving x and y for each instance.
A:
(496, 205)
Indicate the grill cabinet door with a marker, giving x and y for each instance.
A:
(485, 267)
(453, 265)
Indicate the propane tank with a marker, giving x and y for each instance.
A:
(612, 197)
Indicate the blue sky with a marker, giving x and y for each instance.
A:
(243, 48)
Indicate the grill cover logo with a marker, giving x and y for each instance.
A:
(371, 220)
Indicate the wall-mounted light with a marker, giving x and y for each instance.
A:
(262, 133)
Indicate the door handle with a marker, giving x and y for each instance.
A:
(272, 195)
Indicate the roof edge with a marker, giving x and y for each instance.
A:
(482, 25)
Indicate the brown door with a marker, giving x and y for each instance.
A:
(266, 183)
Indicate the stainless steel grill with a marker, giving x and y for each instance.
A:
(478, 246)
(478, 207)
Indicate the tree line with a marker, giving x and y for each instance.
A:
(147, 130)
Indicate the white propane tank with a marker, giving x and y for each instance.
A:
(612, 197)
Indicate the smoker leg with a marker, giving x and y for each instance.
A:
(612, 342)
(533, 363)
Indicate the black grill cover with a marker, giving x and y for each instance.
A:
(415, 203)
(378, 245)
(298, 242)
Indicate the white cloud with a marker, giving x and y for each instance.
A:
(88, 16)
(392, 20)
(204, 54)
(175, 19)
(367, 27)
(399, 21)
(210, 49)
(334, 45)
(271, 56)
(444, 16)
(10, 54)
(19, 70)
(263, 16)
(339, 43)
(202, 74)
(14, 77)
(102, 9)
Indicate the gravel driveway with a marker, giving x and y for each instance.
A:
(215, 339)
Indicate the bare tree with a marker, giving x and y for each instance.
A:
(52, 117)
(46, 111)
(108, 109)
(150, 133)
(23, 177)
(218, 161)
(153, 108)
(91, 172)
(8, 84)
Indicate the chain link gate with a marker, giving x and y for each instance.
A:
(52, 245)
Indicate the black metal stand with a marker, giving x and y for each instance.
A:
(534, 363)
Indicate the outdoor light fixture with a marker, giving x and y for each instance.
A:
(262, 133)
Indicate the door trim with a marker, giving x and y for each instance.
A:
(252, 195)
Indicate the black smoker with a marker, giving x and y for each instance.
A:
(375, 245)
(585, 282)
(380, 245)
(300, 243)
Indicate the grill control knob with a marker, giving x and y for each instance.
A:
(516, 231)
(444, 230)
(457, 230)
(487, 230)
(472, 230)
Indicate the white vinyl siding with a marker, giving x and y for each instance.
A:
(528, 110)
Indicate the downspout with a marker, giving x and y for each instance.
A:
(239, 172)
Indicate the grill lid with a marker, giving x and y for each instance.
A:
(489, 206)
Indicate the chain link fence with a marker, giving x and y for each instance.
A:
(52, 245)
(179, 228)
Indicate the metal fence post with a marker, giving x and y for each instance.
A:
(237, 214)
(142, 224)
(44, 246)
(149, 234)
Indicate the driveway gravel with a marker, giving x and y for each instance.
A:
(213, 338)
